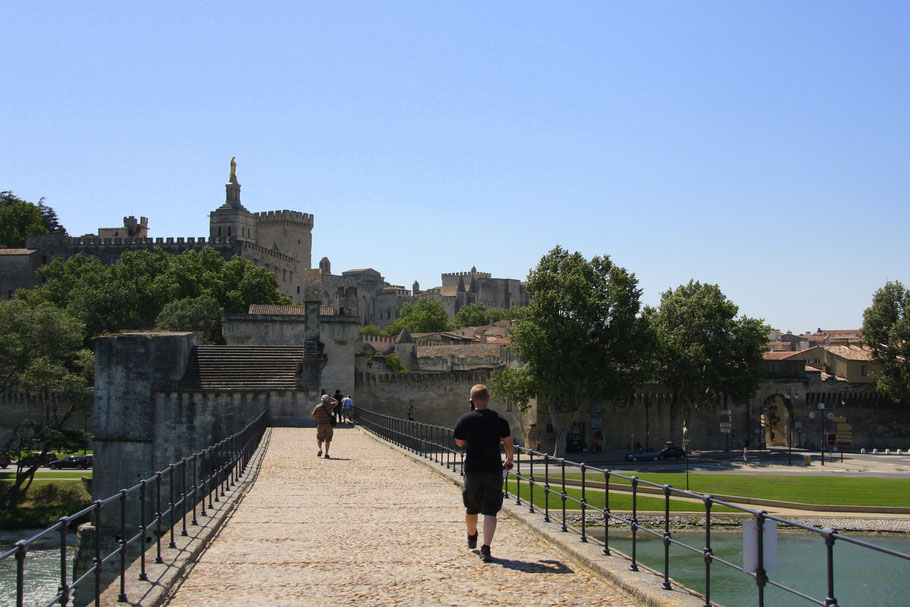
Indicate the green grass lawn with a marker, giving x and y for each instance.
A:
(806, 489)
(45, 502)
(618, 501)
(76, 474)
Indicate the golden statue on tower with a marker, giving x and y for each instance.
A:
(233, 176)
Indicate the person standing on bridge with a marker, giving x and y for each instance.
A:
(346, 404)
(480, 432)
(322, 413)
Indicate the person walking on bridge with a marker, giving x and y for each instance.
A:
(480, 431)
(322, 413)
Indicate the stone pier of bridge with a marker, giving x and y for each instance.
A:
(370, 526)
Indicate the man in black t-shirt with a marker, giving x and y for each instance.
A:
(480, 432)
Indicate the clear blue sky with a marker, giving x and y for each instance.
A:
(761, 146)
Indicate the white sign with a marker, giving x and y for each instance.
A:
(750, 546)
(726, 430)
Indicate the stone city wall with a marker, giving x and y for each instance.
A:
(17, 407)
(433, 398)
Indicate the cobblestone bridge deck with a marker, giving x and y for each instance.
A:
(370, 527)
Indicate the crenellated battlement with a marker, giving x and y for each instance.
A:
(466, 275)
(88, 241)
(448, 378)
(304, 220)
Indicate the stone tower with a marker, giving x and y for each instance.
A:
(232, 219)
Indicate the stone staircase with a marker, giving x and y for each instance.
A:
(242, 368)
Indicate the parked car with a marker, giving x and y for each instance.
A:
(672, 453)
(643, 454)
(4, 460)
(42, 460)
(81, 462)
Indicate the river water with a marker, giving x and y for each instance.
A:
(42, 572)
(863, 577)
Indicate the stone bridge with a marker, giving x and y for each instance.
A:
(375, 525)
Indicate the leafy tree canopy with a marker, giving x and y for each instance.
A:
(193, 314)
(886, 330)
(370, 330)
(472, 315)
(581, 338)
(20, 218)
(131, 294)
(703, 350)
(41, 349)
(425, 316)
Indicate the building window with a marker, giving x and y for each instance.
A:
(298, 290)
(862, 370)
(549, 428)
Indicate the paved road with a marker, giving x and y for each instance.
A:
(370, 527)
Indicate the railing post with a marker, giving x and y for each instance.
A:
(760, 575)
(666, 584)
(546, 492)
(584, 504)
(607, 515)
(563, 494)
(170, 470)
(96, 521)
(518, 475)
(142, 530)
(183, 531)
(195, 486)
(707, 552)
(20, 573)
(829, 549)
(123, 545)
(158, 517)
(64, 587)
(531, 481)
(634, 565)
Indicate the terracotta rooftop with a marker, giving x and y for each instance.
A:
(850, 352)
(777, 355)
(16, 251)
(271, 309)
(214, 368)
(459, 351)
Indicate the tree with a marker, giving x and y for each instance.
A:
(497, 314)
(886, 331)
(131, 294)
(472, 315)
(193, 314)
(41, 349)
(704, 352)
(426, 316)
(370, 330)
(581, 338)
(20, 218)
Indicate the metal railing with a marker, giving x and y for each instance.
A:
(436, 443)
(213, 471)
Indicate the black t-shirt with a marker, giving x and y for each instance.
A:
(482, 429)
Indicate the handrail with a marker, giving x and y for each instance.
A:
(437, 444)
(214, 469)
